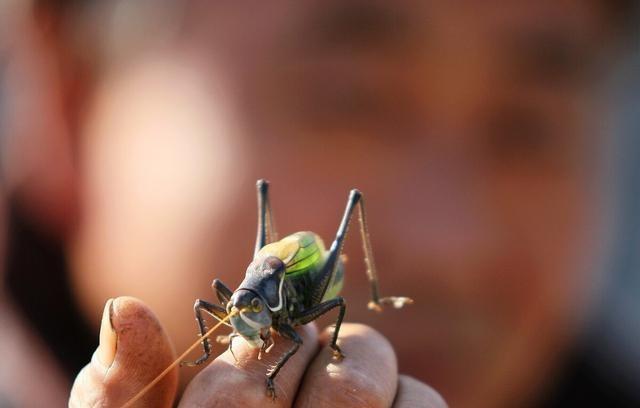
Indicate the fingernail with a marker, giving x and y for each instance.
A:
(106, 352)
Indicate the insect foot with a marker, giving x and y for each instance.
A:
(271, 389)
(374, 306)
(338, 355)
(199, 361)
(396, 301)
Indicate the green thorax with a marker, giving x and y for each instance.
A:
(304, 256)
(302, 252)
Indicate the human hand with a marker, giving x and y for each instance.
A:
(366, 377)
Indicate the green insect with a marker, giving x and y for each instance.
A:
(290, 282)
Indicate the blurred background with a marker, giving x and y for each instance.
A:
(495, 142)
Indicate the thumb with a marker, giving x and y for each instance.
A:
(133, 350)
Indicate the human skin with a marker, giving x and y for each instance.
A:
(134, 349)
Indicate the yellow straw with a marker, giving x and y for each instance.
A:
(177, 361)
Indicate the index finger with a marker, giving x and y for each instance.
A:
(228, 383)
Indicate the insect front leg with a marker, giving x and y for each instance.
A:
(357, 200)
(222, 291)
(228, 340)
(266, 226)
(214, 310)
(317, 311)
(290, 333)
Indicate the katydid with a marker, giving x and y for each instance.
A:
(290, 282)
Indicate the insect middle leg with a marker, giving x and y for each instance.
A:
(214, 310)
(290, 333)
(356, 200)
(317, 311)
(266, 226)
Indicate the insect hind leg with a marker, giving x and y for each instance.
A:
(266, 226)
(356, 200)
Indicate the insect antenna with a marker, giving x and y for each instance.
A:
(179, 359)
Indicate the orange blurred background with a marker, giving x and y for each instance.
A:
(494, 143)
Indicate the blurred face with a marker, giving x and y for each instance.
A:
(468, 126)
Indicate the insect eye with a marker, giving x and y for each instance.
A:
(256, 305)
